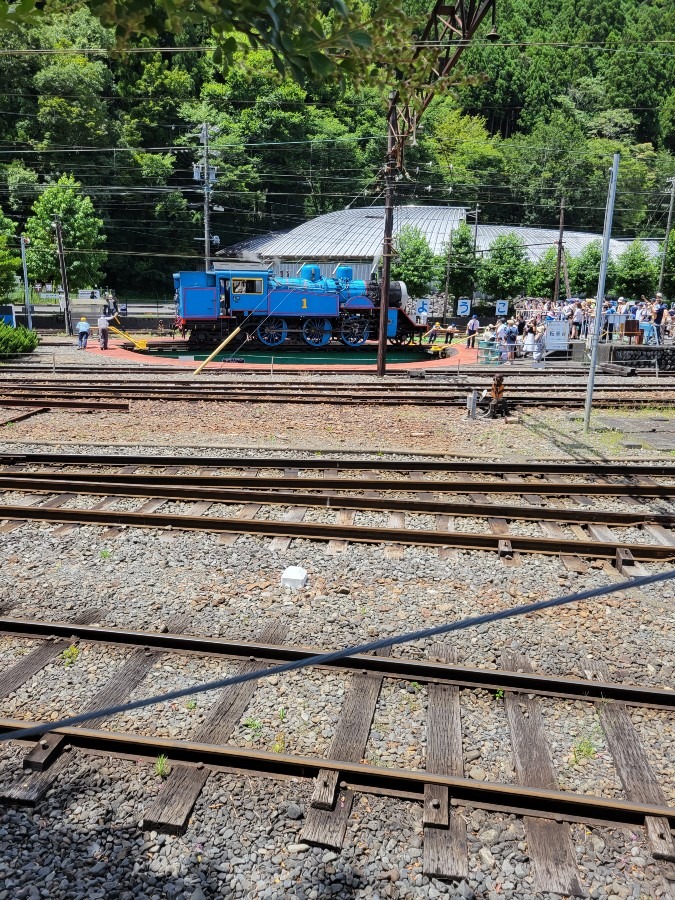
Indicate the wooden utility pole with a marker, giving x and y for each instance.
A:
(388, 239)
(561, 228)
(447, 280)
(450, 29)
(204, 138)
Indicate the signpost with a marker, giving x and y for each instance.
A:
(502, 308)
(464, 306)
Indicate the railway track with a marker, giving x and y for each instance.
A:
(442, 784)
(548, 508)
(420, 393)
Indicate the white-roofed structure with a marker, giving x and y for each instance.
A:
(538, 240)
(354, 237)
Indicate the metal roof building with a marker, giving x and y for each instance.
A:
(538, 240)
(354, 237)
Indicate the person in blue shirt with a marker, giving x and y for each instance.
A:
(83, 328)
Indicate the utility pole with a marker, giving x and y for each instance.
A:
(475, 245)
(607, 231)
(561, 228)
(207, 196)
(56, 225)
(447, 279)
(387, 241)
(475, 229)
(671, 182)
(450, 29)
(26, 288)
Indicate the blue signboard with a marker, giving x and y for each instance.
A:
(502, 307)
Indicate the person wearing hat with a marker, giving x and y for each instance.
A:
(472, 331)
(433, 332)
(83, 328)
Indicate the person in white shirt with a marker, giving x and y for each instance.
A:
(472, 331)
(103, 323)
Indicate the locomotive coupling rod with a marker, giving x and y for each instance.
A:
(217, 350)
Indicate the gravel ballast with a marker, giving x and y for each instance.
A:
(85, 839)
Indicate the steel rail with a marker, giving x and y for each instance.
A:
(467, 486)
(427, 386)
(595, 516)
(354, 533)
(201, 387)
(77, 403)
(587, 467)
(310, 392)
(548, 803)
(395, 667)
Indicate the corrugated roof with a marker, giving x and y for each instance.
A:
(539, 240)
(356, 234)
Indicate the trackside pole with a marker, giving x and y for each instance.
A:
(217, 350)
(600, 297)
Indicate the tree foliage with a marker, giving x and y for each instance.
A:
(414, 262)
(82, 236)
(505, 273)
(636, 272)
(669, 269)
(458, 263)
(542, 275)
(296, 107)
(9, 258)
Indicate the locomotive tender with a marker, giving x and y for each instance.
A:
(310, 309)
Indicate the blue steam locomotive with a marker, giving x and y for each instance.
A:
(310, 309)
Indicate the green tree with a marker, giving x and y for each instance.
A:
(669, 270)
(414, 261)
(462, 146)
(506, 271)
(585, 269)
(459, 263)
(305, 37)
(82, 236)
(9, 258)
(636, 271)
(542, 275)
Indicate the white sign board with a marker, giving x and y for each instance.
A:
(557, 335)
(464, 306)
(422, 307)
(502, 308)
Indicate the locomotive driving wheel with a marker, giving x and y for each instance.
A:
(317, 332)
(272, 332)
(354, 331)
(402, 340)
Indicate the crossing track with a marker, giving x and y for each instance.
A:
(440, 788)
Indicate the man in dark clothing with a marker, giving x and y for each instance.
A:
(659, 314)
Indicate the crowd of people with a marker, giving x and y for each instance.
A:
(525, 335)
(615, 313)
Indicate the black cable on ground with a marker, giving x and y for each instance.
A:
(327, 658)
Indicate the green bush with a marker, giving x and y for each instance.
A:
(17, 340)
